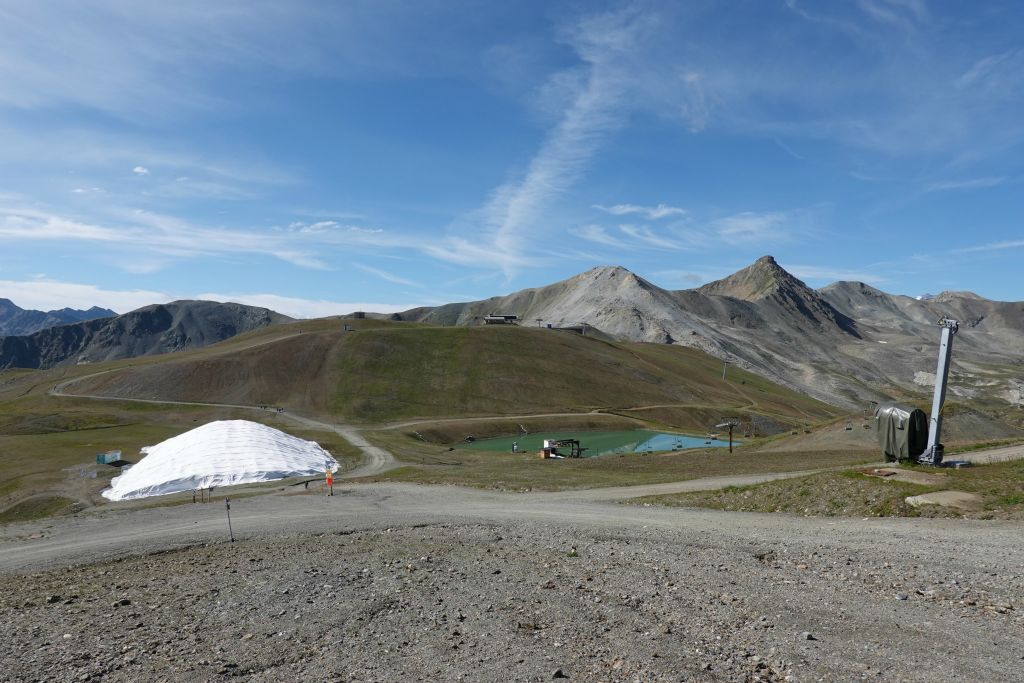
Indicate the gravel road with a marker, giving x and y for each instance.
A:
(404, 582)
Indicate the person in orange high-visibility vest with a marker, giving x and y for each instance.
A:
(330, 482)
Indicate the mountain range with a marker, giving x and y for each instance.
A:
(15, 320)
(847, 344)
(160, 328)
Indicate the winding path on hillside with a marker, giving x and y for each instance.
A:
(375, 459)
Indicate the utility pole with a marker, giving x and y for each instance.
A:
(933, 453)
(731, 424)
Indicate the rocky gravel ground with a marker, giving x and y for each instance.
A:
(519, 601)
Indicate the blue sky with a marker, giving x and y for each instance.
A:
(321, 157)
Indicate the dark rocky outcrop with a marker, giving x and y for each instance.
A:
(160, 328)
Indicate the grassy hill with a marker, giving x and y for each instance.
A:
(383, 372)
(387, 371)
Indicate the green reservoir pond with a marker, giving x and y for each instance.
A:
(601, 443)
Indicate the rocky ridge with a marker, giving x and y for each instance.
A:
(18, 321)
(160, 328)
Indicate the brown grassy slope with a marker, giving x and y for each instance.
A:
(399, 371)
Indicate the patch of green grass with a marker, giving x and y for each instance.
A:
(825, 494)
(403, 373)
(10, 486)
(979, 446)
(852, 493)
(36, 507)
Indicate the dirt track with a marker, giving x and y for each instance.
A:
(404, 582)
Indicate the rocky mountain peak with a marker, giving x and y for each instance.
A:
(761, 279)
(766, 281)
(605, 272)
(947, 296)
(612, 276)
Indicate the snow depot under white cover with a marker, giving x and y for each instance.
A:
(220, 453)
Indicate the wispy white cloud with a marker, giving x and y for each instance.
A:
(104, 56)
(185, 187)
(695, 107)
(991, 246)
(476, 254)
(325, 214)
(902, 13)
(748, 228)
(838, 23)
(297, 307)
(986, 67)
(789, 150)
(385, 275)
(331, 228)
(140, 170)
(149, 232)
(648, 237)
(604, 44)
(752, 227)
(98, 152)
(597, 234)
(967, 184)
(35, 225)
(651, 212)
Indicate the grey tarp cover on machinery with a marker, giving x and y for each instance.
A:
(902, 431)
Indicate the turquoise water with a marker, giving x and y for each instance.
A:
(602, 443)
(667, 442)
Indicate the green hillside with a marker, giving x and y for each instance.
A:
(393, 371)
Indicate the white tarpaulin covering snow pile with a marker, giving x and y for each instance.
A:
(220, 453)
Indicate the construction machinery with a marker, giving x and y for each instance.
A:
(552, 448)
